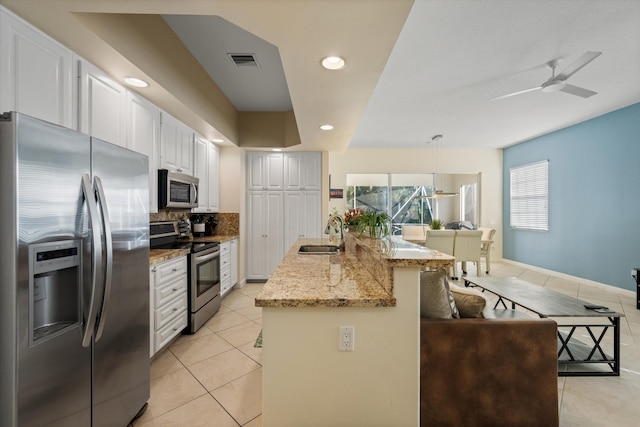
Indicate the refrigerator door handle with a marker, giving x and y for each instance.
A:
(96, 259)
(109, 248)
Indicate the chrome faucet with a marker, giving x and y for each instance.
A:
(327, 230)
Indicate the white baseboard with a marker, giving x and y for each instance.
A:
(603, 286)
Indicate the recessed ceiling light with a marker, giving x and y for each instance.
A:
(218, 140)
(276, 149)
(132, 81)
(333, 63)
(326, 127)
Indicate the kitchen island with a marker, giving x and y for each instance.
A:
(372, 286)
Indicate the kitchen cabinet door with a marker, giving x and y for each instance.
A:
(265, 171)
(301, 216)
(225, 268)
(176, 145)
(207, 169)
(36, 73)
(201, 171)
(214, 178)
(152, 306)
(265, 246)
(143, 128)
(168, 298)
(234, 261)
(302, 171)
(103, 105)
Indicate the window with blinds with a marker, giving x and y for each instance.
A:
(530, 196)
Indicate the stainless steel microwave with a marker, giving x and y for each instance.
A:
(177, 190)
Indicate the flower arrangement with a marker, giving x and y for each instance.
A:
(352, 217)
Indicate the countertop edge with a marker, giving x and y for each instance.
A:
(158, 256)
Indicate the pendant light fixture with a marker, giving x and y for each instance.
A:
(437, 194)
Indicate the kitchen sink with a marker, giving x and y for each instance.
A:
(318, 250)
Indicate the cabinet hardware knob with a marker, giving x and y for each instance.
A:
(174, 269)
(175, 290)
(175, 308)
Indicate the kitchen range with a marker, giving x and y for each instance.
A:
(74, 300)
(203, 270)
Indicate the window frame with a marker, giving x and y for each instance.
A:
(529, 196)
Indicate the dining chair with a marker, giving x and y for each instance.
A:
(414, 233)
(486, 245)
(467, 248)
(443, 241)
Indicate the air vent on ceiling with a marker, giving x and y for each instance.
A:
(244, 59)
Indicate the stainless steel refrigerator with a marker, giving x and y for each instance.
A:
(74, 278)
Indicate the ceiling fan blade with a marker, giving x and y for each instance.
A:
(577, 65)
(520, 92)
(578, 91)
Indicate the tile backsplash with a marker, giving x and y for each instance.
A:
(228, 222)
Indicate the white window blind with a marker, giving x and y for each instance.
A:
(530, 196)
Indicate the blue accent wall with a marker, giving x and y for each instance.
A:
(594, 200)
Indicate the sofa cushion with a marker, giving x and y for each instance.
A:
(470, 302)
(436, 300)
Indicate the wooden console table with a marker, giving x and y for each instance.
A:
(549, 303)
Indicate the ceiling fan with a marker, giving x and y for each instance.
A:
(558, 83)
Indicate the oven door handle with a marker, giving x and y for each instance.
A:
(208, 257)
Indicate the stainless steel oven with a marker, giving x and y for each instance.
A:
(204, 288)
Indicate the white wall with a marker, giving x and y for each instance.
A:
(405, 160)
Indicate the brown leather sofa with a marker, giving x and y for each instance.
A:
(488, 372)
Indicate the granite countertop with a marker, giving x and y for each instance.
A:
(360, 276)
(322, 281)
(221, 238)
(157, 256)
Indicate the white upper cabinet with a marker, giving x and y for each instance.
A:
(143, 128)
(214, 178)
(103, 104)
(264, 171)
(302, 171)
(207, 169)
(36, 73)
(176, 145)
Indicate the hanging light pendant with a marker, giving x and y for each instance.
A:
(437, 194)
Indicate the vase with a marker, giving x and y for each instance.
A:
(375, 231)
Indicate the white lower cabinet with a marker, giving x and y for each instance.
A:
(234, 261)
(228, 265)
(168, 297)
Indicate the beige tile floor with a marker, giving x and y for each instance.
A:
(213, 378)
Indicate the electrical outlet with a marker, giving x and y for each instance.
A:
(346, 338)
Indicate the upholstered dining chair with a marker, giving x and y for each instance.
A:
(485, 246)
(443, 241)
(467, 248)
(414, 233)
